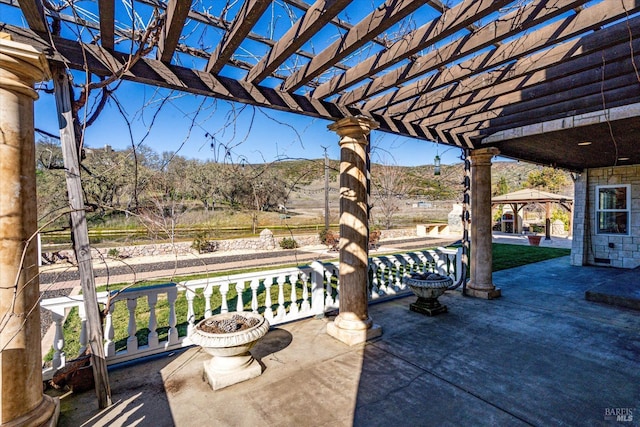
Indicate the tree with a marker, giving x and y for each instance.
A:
(548, 179)
(388, 187)
(502, 187)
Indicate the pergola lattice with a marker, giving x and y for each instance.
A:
(532, 78)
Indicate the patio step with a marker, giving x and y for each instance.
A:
(623, 290)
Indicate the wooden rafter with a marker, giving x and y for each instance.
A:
(176, 15)
(33, 12)
(156, 73)
(517, 21)
(583, 75)
(587, 104)
(451, 21)
(534, 69)
(554, 33)
(243, 23)
(107, 11)
(376, 22)
(321, 12)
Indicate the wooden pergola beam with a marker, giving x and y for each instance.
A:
(556, 62)
(519, 94)
(33, 12)
(451, 21)
(176, 15)
(587, 103)
(319, 14)
(107, 11)
(587, 20)
(530, 15)
(367, 29)
(248, 15)
(93, 58)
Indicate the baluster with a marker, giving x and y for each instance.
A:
(58, 343)
(282, 312)
(373, 268)
(190, 295)
(132, 340)
(240, 302)
(109, 345)
(207, 293)
(329, 301)
(268, 312)
(293, 308)
(152, 299)
(84, 340)
(305, 306)
(255, 284)
(224, 290)
(336, 274)
(317, 288)
(172, 296)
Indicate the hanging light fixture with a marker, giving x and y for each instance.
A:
(436, 164)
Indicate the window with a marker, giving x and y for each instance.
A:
(613, 203)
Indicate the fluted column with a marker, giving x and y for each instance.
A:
(353, 324)
(481, 282)
(21, 398)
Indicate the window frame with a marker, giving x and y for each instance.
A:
(627, 210)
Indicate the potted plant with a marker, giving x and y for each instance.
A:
(534, 240)
(228, 337)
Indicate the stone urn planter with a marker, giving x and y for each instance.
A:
(534, 240)
(428, 287)
(228, 337)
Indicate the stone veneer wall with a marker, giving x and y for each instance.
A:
(265, 242)
(587, 245)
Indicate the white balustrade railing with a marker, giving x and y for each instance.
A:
(172, 310)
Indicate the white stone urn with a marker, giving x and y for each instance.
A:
(228, 337)
(428, 287)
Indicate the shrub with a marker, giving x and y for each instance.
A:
(288, 243)
(113, 253)
(202, 244)
(323, 234)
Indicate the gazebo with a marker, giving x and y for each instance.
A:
(550, 82)
(521, 198)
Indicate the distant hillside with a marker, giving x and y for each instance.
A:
(420, 181)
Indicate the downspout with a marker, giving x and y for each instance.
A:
(465, 223)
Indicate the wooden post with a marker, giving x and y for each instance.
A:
(80, 234)
(547, 221)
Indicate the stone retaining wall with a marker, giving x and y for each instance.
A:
(266, 241)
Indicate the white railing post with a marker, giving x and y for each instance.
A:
(109, 345)
(132, 339)
(172, 296)
(305, 306)
(191, 315)
(239, 291)
(152, 339)
(317, 287)
(293, 308)
(58, 343)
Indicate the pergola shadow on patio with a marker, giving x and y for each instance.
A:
(540, 355)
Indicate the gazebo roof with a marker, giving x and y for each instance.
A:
(552, 82)
(531, 195)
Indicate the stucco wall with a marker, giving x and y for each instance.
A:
(622, 251)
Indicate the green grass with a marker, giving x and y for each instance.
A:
(510, 256)
(504, 257)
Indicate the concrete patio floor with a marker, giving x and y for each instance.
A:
(540, 355)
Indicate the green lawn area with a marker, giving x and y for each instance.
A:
(510, 256)
(504, 257)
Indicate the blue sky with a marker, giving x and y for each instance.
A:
(189, 125)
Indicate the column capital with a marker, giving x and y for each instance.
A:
(355, 127)
(21, 65)
(483, 155)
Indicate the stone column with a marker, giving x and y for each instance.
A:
(21, 398)
(353, 324)
(481, 282)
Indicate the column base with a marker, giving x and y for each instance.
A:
(352, 332)
(218, 380)
(44, 415)
(484, 293)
